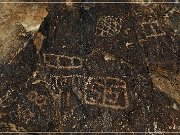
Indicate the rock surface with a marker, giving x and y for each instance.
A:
(18, 23)
(96, 67)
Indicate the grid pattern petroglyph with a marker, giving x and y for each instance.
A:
(105, 92)
(155, 29)
(100, 91)
(108, 26)
(108, 92)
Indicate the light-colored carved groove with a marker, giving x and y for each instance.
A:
(108, 26)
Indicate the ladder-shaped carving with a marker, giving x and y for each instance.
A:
(101, 91)
(62, 61)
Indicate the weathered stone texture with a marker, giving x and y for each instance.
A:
(96, 71)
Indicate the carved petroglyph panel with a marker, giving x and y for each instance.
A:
(152, 29)
(75, 81)
(64, 80)
(147, 30)
(106, 92)
(108, 26)
(62, 61)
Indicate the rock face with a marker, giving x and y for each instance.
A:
(18, 23)
(97, 71)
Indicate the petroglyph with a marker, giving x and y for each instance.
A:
(152, 29)
(106, 92)
(101, 91)
(108, 26)
(39, 100)
(94, 76)
(129, 45)
(75, 81)
(62, 61)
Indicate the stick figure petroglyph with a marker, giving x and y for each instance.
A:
(102, 91)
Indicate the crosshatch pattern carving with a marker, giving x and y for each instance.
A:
(108, 26)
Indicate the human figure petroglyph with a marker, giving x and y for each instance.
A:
(94, 90)
(101, 91)
(107, 88)
(108, 26)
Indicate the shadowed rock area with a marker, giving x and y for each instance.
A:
(96, 68)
